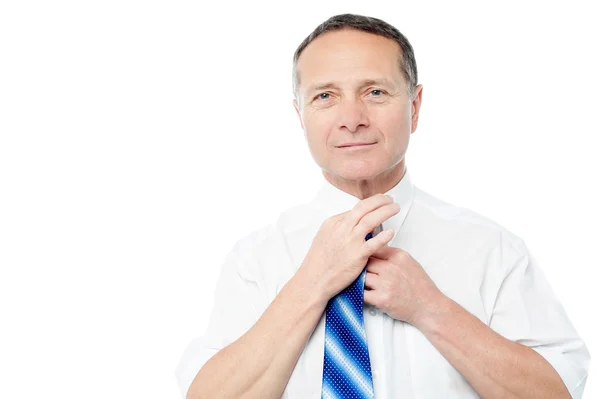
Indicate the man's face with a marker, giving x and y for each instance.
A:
(353, 109)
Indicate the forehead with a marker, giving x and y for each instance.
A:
(348, 57)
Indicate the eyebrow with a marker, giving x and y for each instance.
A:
(363, 83)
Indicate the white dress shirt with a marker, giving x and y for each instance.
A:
(476, 262)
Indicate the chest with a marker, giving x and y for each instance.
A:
(404, 364)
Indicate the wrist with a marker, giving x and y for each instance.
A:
(306, 280)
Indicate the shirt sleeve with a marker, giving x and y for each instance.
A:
(528, 312)
(234, 312)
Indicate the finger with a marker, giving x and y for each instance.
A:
(385, 252)
(373, 219)
(371, 280)
(370, 297)
(368, 206)
(374, 265)
(375, 243)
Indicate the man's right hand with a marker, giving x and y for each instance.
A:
(339, 252)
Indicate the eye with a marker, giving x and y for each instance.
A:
(377, 90)
(319, 96)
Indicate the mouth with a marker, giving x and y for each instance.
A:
(356, 145)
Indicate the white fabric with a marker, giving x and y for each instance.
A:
(479, 264)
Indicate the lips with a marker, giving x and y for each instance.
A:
(354, 144)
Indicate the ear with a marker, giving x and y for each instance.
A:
(295, 103)
(416, 107)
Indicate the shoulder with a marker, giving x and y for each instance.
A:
(270, 240)
(444, 220)
(289, 220)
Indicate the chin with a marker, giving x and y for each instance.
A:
(358, 172)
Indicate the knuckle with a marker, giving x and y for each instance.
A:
(400, 254)
(369, 219)
(364, 251)
(362, 224)
(332, 221)
(385, 299)
(357, 209)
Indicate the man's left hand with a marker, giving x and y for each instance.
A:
(398, 285)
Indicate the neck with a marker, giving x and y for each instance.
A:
(364, 188)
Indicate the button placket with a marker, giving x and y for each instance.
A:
(372, 309)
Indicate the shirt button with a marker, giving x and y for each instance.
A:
(373, 311)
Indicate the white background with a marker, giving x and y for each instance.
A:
(139, 140)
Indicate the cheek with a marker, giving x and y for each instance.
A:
(317, 127)
(398, 116)
(396, 128)
(398, 121)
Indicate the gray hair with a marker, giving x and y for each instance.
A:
(408, 64)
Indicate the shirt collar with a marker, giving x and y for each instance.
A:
(330, 200)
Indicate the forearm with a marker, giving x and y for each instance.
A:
(495, 367)
(259, 364)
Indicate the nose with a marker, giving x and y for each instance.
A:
(352, 114)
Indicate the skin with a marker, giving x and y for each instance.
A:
(396, 283)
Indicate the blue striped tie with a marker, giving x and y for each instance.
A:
(347, 367)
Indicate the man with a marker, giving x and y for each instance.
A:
(455, 306)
